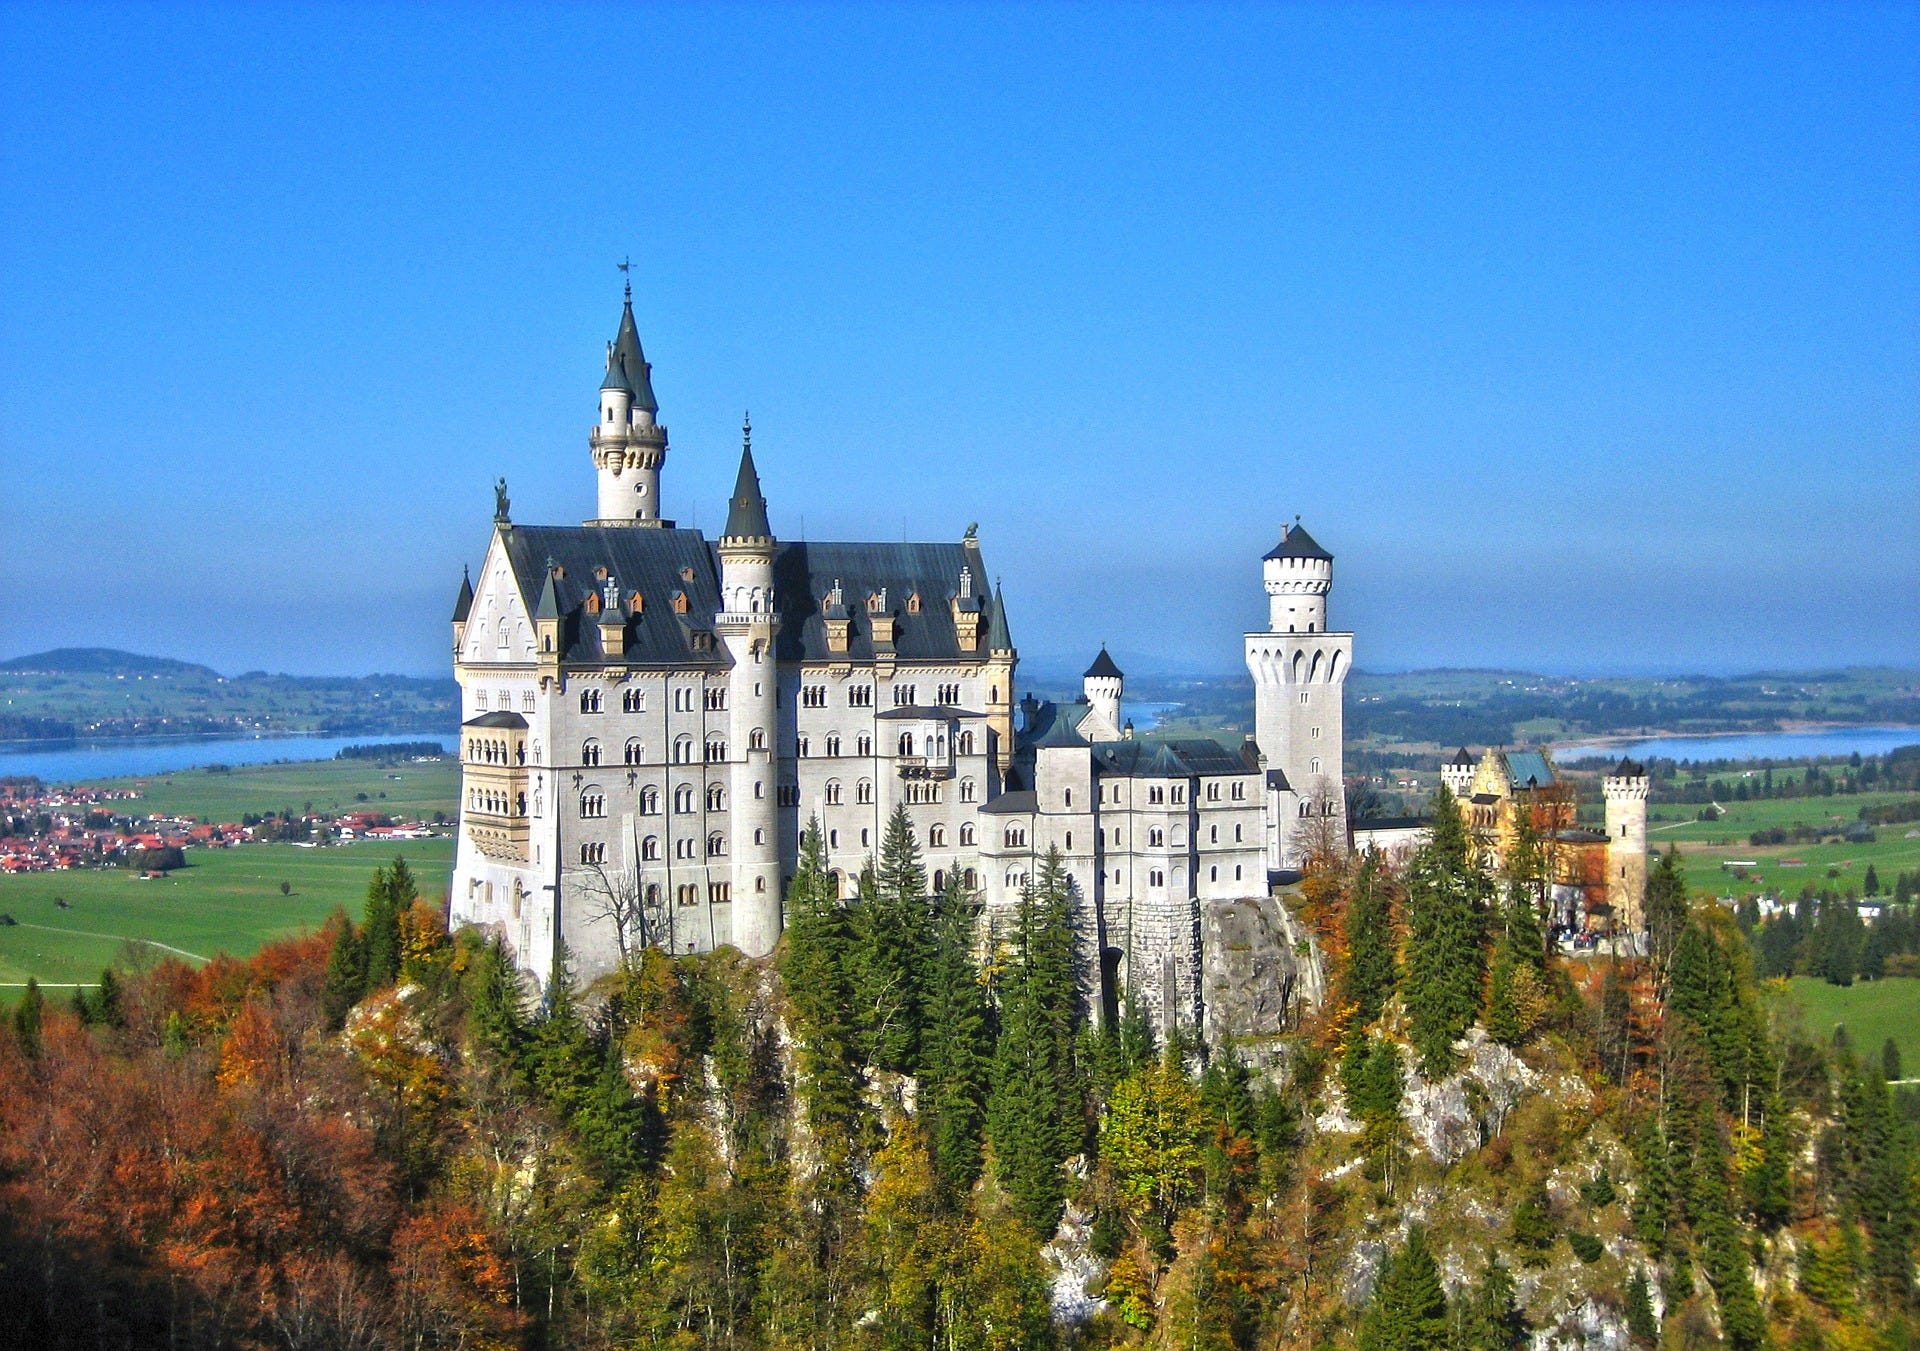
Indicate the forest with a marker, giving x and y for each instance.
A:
(909, 1130)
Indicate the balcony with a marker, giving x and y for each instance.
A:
(919, 767)
(498, 836)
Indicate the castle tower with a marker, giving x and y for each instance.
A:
(1002, 658)
(1625, 789)
(1103, 685)
(1299, 677)
(628, 445)
(1457, 773)
(747, 624)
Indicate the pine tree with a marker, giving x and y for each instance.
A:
(1890, 1061)
(346, 979)
(380, 932)
(895, 925)
(1666, 911)
(1035, 1115)
(496, 1014)
(27, 1017)
(562, 1054)
(1408, 1309)
(955, 1048)
(817, 967)
(1871, 886)
(1367, 979)
(1486, 1316)
(1447, 895)
(611, 1121)
(1642, 1326)
(109, 1007)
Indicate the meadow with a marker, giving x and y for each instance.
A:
(1871, 1011)
(1704, 845)
(404, 790)
(226, 900)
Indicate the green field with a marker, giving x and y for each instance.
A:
(1872, 1012)
(1704, 844)
(227, 900)
(404, 789)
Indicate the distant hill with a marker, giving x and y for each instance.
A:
(102, 661)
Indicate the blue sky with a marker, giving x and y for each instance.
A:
(1588, 339)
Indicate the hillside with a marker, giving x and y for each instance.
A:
(100, 692)
(375, 1137)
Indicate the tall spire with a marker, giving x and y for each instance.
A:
(999, 639)
(747, 509)
(629, 363)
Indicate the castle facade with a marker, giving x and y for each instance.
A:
(650, 718)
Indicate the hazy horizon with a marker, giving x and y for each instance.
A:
(1586, 338)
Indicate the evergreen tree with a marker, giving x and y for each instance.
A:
(1768, 1182)
(1367, 979)
(1447, 896)
(1408, 1309)
(955, 1048)
(1871, 886)
(1512, 990)
(1487, 1316)
(895, 925)
(1665, 910)
(496, 1013)
(1890, 1061)
(564, 1063)
(346, 978)
(612, 1122)
(817, 967)
(380, 932)
(27, 1017)
(1642, 1326)
(109, 1007)
(1035, 1114)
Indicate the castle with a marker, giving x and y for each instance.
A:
(650, 719)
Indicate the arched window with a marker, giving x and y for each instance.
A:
(1213, 874)
(633, 701)
(939, 880)
(802, 746)
(757, 739)
(1016, 837)
(1156, 839)
(593, 803)
(716, 845)
(636, 753)
(906, 743)
(683, 750)
(966, 790)
(863, 745)
(590, 700)
(966, 743)
(716, 751)
(833, 792)
(589, 752)
(863, 791)
(936, 839)
(716, 798)
(650, 849)
(971, 878)
(966, 839)
(1306, 809)
(683, 798)
(833, 745)
(649, 801)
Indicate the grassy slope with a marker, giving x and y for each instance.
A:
(228, 900)
(329, 785)
(1704, 844)
(1872, 1012)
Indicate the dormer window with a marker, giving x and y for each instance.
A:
(913, 603)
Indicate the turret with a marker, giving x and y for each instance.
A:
(1457, 773)
(1298, 575)
(1625, 790)
(628, 445)
(748, 624)
(1103, 685)
(1299, 680)
(462, 607)
(1002, 659)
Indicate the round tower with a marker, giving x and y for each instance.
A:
(748, 624)
(1299, 674)
(1625, 790)
(1103, 685)
(628, 445)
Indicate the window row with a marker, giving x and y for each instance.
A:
(505, 704)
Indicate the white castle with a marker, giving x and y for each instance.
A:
(650, 719)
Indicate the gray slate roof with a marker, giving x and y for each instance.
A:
(654, 563)
(629, 363)
(463, 603)
(1295, 542)
(1170, 758)
(747, 509)
(1103, 667)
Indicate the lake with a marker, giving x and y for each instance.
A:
(88, 761)
(1755, 746)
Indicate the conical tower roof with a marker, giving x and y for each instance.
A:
(1103, 667)
(747, 509)
(630, 363)
(999, 639)
(463, 603)
(1295, 542)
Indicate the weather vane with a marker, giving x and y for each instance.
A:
(626, 266)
